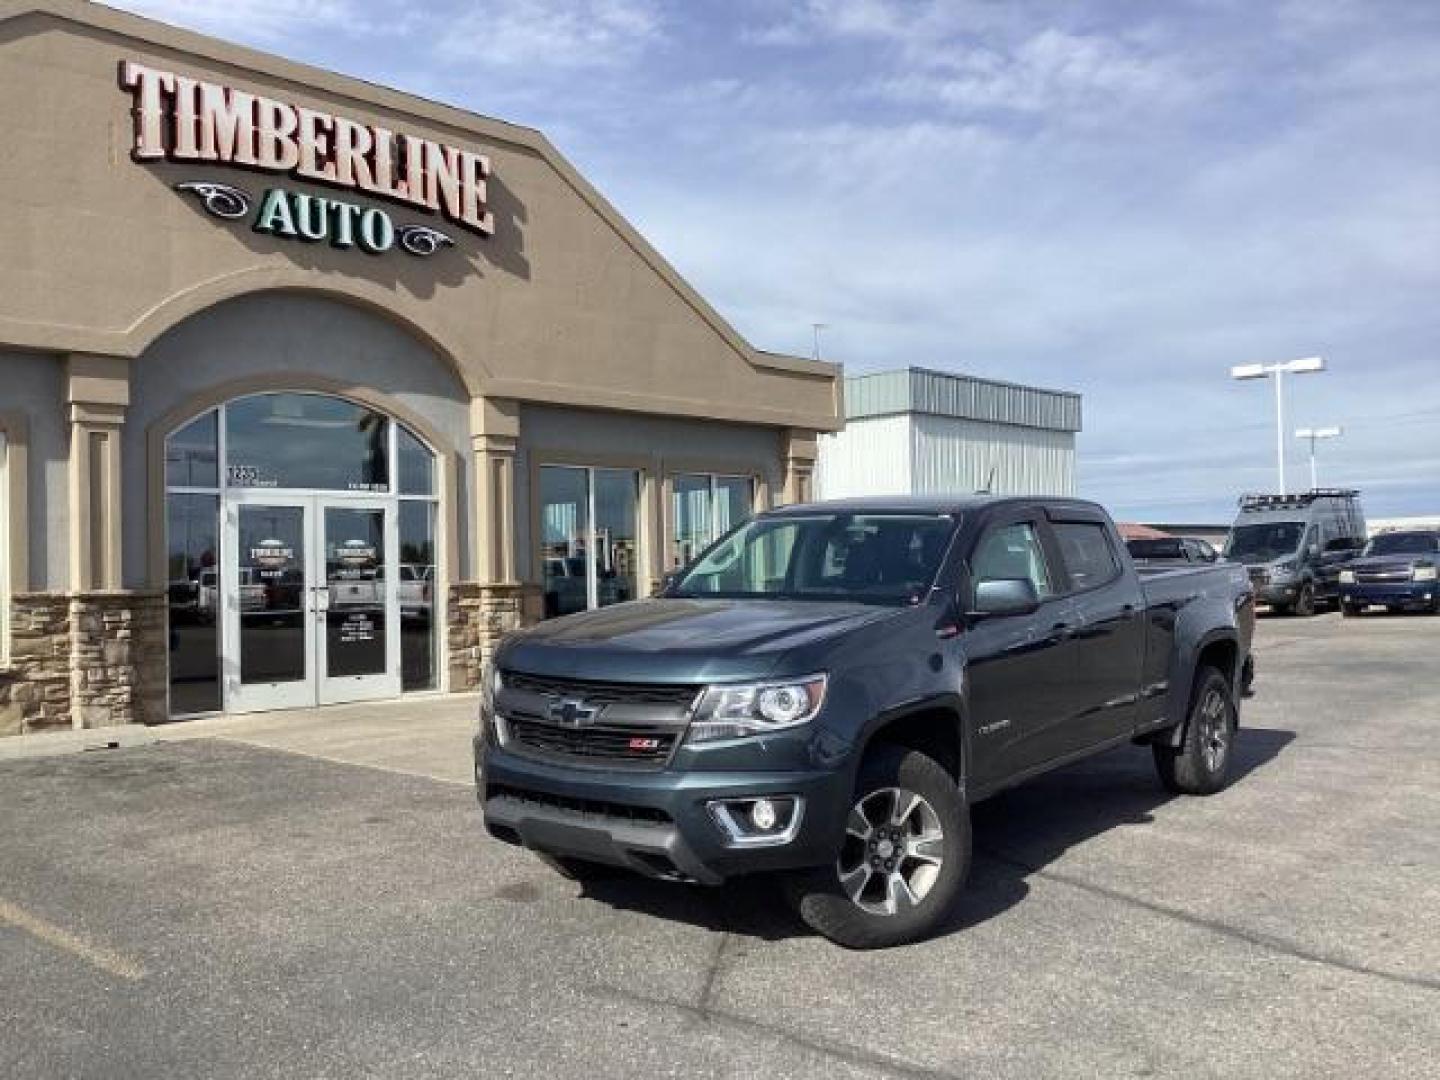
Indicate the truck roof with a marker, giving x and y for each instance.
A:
(930, 504)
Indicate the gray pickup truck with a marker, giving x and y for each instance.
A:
(827, 689)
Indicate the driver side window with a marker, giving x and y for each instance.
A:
(1011, 552)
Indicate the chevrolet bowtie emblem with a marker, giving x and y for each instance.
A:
(571, 712)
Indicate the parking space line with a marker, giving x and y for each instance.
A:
(112, 963)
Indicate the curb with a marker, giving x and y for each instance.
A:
(58, 743)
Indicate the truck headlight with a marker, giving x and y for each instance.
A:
(739, 709)
(489, 685)
(1423, 573)
(1347, 577)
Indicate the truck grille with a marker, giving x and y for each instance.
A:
(1381, 577)
(601, 693)
(586, 721)
(601, 743)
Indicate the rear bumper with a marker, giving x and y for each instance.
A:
(1399, 592)
(656, 823)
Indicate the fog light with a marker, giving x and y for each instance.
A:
(762, 815)
(767, 821)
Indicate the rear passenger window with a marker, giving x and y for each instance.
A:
(1088, 554)
(1012, 552)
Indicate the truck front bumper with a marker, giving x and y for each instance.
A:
(1391, 594)
(659, 823)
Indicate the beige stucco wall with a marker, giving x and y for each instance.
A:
(565, 303)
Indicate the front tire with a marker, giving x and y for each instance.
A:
(1305, 602)
(1349, 611)
(904, 859)
(1201, 764)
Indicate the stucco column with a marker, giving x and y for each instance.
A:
(97, 392)
(800, 449)
(494, 436)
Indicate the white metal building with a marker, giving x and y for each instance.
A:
(922, 432)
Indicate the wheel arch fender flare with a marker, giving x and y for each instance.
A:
(945, 703)
(1187, 667)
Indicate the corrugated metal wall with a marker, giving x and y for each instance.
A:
(917, 454)
(956, 457)
(869, 457)
(923, 391)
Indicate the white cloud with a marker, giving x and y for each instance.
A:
(260, 20)
(548, 34)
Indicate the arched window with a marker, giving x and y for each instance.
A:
(297, 446)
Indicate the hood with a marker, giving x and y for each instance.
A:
(665, 640)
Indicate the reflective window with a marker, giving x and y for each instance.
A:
(417, 595)
(1013, 552)
(5, 549)
(879, 558)
(1089, 558)
(415, 464)
(564, 533)
(703, 508)
(589, 537)
(271, 592)
(355, 618)
(617, 540)
(192, 454)
(193, 588)
(306, 441)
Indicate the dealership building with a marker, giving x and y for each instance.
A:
(310, 389)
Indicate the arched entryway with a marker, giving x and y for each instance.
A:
(301, 535)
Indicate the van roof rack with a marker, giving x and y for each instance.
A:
(1293, 499)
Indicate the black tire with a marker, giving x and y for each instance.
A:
(1281, 610)
(581, 870)
(1349, 611)
(1201, 764)
(823, 902)
(1305, 601)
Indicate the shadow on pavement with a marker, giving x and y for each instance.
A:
(1016, 834)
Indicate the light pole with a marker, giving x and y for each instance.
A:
(1315, 434)
(1278, 373)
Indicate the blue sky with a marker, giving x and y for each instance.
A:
(1121, 197)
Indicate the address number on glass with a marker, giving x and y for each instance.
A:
(246, 476)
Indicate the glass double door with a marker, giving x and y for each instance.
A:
(310, 601)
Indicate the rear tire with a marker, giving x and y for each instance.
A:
(1201, 763)
(904, 859)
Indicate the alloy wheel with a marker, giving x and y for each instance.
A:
(893, 851)
(1214, 722)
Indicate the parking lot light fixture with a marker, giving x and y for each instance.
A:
(1315, 435)
(1277, 372)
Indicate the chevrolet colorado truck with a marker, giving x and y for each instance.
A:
(825, 691)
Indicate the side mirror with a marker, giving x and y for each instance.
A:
(1004, 596)
(1313, 551)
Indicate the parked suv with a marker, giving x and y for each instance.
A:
(1295, 546)
(1397, 569)
(828, 688)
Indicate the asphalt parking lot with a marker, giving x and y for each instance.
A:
(215, 907)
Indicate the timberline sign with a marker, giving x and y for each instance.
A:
(184, 120)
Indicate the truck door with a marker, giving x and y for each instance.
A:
(1019, 667)
(1108, 628)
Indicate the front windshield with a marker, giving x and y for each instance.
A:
(871, 558)
(1403, 544)
(1262, 543)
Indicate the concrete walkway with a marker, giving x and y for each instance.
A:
(419, 736)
